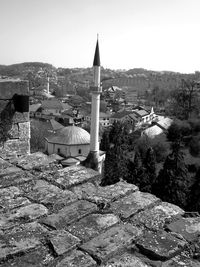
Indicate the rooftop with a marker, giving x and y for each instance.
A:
(70, 135)
(121, 114)
(54, 216)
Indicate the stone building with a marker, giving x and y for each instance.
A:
(71, 141)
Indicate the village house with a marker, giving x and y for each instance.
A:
(52, 108)
(33, 109)
(104, 119)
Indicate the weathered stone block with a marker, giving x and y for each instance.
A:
(189, 228)
(62, 241)
(38, 257)
(10, 199)
(4, 165)
(96, 194)
(47, 194)
(15, 247)
(92, 225)
(77, 259)
(21, 215)
(14, 176)
(126, 260)
(8, 171)
(133, 203)
(8, 88)
(24, 231)
(21, 239)
(156, 217)
(72, 176)
(15, 147)
(69, 214)
(181, 261)
(111, 242)
(160, 245)
(24, 130)
(13, 133)
(34, 160)
(20, 117)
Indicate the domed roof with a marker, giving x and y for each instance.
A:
(71, 135)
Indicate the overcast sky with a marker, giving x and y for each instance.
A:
(152, 34)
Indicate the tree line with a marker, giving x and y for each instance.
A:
(136, 160)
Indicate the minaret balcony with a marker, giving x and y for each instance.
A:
(97, 89)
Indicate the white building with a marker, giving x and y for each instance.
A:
(71, 141)
(104, 119)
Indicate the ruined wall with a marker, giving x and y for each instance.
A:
(14, 118)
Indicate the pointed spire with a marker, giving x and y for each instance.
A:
(96, 61)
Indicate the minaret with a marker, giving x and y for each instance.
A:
(94, 160)
(47, 84)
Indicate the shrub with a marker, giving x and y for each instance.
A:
(194, 146)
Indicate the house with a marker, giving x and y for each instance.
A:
(121, 116)
(71, 141)
(104, 119)
(141, 116)
(53, 107)
(33, 109)
(159, 126)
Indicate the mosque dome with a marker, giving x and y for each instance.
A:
(71, 135)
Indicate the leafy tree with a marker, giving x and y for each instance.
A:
(194, 146)
(103, 106)
(39, 130)
(116, 157)
(194, 204)
(105, 141)
(184, 100)
(115, 166)
(173, 182)
(160, 147)
(178, 130)
(150, 168)
(142, 145)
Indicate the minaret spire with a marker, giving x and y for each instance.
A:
(94, 160)
(96, 61)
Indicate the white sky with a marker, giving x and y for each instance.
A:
(152, 34)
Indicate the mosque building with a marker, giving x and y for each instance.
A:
(73, 141)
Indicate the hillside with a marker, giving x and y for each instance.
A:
(132, 80)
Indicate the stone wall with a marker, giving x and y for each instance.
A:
(60, 217)
(14, 118)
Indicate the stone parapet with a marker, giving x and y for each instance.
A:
(50, 217)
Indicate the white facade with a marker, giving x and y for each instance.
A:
(67, 150)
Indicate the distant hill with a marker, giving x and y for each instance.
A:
(22, 69)
(136, 79)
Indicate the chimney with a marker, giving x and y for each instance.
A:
(14, 118)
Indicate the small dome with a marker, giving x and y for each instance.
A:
(71, 135)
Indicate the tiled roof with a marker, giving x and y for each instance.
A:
(164, 123)
(34, 107)
(153, 131)
(141, 112)
(54, 216)
(56, 125)
(55, 104)
(121, 114)
(71, 135)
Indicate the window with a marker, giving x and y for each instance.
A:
(79, 151)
